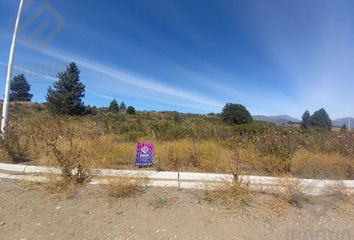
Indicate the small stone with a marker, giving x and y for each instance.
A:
(2, 223)
(58, 208)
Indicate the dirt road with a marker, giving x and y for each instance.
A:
(160, 214)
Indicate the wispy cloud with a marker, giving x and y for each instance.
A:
(137, 81)
(97, 94)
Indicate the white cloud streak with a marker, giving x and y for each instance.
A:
(138, 81)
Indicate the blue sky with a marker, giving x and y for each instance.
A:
(274, 56)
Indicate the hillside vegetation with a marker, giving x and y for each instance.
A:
(188, 142)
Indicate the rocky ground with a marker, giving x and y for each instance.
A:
(34, 213)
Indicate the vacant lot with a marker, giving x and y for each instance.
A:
(30, 212)
(185, 142)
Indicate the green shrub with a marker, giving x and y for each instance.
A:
(131, 110)
(236, 114)
(271, 150)
(17, 142)
(63, 145)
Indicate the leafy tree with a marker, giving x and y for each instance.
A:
(236, 114)
(113, 106)
(306, 119)
(66, 95)
(131, 110)
(122, 106)
(20, 89)
(343, 128)
(321, 119)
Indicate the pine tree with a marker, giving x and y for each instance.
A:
(321, 119)
(20, 89)
(113, 106)
(66, 95)
(306, 119)
(122, 106)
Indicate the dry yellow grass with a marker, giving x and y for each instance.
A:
(109, 151)
(230, 194)
(124, 187)
(183, 142)
(188, 154)
(322, 165)
(263, 164)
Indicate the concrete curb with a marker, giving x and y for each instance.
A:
(191, 180)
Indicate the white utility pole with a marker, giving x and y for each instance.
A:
(5, 107)
(349, 124)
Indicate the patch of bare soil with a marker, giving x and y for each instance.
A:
(156, 213)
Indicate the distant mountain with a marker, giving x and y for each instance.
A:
(278, 119)
(340, 121)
